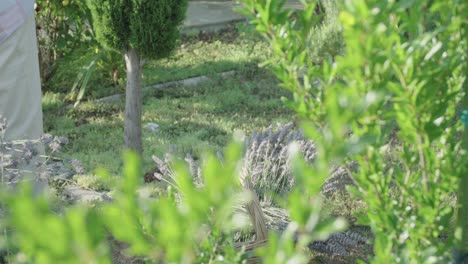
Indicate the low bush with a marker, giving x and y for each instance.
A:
(396, 86)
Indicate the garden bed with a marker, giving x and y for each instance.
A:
(190, 120)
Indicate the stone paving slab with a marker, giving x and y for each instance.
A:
(201, 14)
(190, 82)
(206, 15)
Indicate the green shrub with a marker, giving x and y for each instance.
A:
(396, 86)
(187, 223)
(62, 27)
(70, 57)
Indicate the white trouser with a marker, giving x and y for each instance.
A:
(20, 92)
(20, 85)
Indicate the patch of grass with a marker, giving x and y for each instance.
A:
(235, 48)
(190, 119)
(209, 53)
(52, 101)
(91, 182)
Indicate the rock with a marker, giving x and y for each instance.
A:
(79, 195)
(58, 170)
(152, 127)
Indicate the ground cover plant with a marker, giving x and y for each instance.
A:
(191, 120)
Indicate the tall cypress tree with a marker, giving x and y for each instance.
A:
(140, 30)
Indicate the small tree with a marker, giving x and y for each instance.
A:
(138, 29)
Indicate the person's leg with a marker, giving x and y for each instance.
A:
(20, 87)
(20, 97)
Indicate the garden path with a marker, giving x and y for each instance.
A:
(213, 15)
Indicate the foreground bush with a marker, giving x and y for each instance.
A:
(187, 224)
(389, 103)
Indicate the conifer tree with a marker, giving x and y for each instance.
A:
(140, 30)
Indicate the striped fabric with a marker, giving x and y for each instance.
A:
(13, 13)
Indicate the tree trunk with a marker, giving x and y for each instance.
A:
(133, 102)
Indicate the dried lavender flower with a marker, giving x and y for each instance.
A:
(63, 140)
(14, 163)
(24, 157)
(266, 160)
(44, 174)
(55, 145)
(77, 166)
(266, 163)
(29, 152)
(344, 243)
(3, 124)
(47, 139)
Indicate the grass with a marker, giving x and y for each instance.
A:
(235, 48)
(191, 120)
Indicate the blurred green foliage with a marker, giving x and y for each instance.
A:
(184, 224)
(395, 88)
